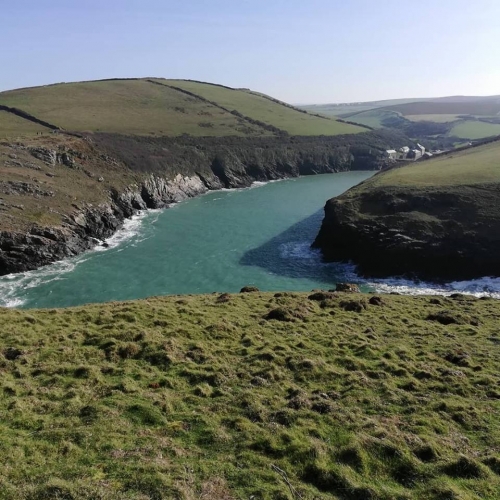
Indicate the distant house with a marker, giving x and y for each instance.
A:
(392, 154)
(421, 148)
(416, 154)
(404, 149)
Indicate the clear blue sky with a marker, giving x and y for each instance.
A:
(301, 51)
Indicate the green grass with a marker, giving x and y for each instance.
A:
(474, 130)
(373, 118)
(479, 165)
(13, 126)
(139, 107)
(128, 107)
(206, 397)
(260, 108)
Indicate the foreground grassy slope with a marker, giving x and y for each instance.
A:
(141, 107)
(252, 396)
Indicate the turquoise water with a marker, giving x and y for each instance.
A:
(218, 242)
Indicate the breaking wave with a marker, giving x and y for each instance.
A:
(13, 287)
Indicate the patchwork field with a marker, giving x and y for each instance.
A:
(253, 395)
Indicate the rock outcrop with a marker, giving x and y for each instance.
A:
(446, 233)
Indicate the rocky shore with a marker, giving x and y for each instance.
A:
(167, 171)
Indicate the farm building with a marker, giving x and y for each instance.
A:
(391, 154)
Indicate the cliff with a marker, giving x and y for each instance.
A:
(76, 191)
(435, 220)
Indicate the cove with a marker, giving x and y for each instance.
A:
(218, 242)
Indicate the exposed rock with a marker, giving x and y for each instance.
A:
(249, 289)
(49, 156)
(347, 287)
(434, 234)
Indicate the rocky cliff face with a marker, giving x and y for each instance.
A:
(83, 229)
(436, 233)
(169, 171)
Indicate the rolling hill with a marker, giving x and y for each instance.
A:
(159, 107)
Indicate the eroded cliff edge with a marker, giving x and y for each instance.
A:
(61, 195)
(436, 233)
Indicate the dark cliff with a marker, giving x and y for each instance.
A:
(436, 233)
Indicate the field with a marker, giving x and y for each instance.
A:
(433, 118)
(13, 126)
(141, 107)
(479, 165)
(474, 130)
(252, 395)
(345, 109)
(261, 108)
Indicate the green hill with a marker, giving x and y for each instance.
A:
(272, 397)
(163, 108)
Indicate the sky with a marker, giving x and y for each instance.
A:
(300, 51)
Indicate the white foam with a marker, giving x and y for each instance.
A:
(131, 228)
(299, 250)
(13, 286)
(480, 287)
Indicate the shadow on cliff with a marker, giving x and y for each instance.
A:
(290, 254)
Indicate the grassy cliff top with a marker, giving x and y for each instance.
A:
(163, 108)
(479, 165)
(331, 396)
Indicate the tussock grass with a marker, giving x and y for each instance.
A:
(198, 397)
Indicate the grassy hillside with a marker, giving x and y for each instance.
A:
(34, 191)
(354, 107)
(13, 126)
(479, 165)
(441, 119)
(473, 129)
(267, 110)
(252, 396)
(155, 107)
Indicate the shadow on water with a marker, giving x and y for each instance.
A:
(290, 254)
